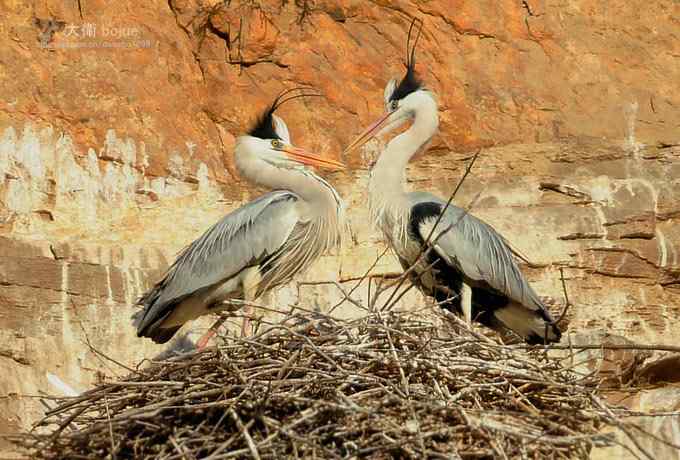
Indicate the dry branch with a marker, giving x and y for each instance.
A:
(387, 385)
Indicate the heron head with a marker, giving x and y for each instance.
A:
(401, 100)
(269, 139)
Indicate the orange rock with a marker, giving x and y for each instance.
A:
(113, 159)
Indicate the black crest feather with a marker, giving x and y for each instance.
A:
(410, 83)
(264, 127)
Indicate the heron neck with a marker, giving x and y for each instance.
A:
(320, 205)
(316, 192)
(387, 184)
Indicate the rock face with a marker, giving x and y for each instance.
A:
(118, 122)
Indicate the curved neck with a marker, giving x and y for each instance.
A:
(317, 194)
(388, 174)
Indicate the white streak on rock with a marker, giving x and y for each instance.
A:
(630, 144)
(28, 153)
(203, 177)
(176, 166)
(109, 291)
(59, 384)
(663, 249)
(7, 148)
(191, 147)
(600, 189)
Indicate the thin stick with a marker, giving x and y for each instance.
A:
(567, 303)
(623, 428)
(453, 195)
(361, 280)
(108, 417)
(331, 389)
(650, 347)
(426, 247)
(97, 352)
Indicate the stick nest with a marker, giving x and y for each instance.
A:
(384, 386)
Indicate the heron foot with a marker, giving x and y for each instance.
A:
(203, 341)
(205, 338)
(246, 326)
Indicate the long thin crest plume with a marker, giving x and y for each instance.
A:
(410, 83)
(264, 127)
(411, 51)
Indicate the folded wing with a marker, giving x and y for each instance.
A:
(241, 239)
(481, 254)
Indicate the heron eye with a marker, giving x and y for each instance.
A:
(277, 144)
(394, 105)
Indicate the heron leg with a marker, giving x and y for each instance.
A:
(203, 341)
(466, 302)
(251, 280)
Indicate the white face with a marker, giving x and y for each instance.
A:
(271, 151)
(397, 113)
(400, 111)
(278, 153)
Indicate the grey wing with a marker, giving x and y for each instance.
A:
(482, 254)
(237, 241)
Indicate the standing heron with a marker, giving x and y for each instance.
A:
(257, 247)
(467, 266)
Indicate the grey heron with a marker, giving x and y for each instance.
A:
(468, 266)
(260, 245)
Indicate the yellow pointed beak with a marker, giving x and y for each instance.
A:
(304, 157)
(368, 134)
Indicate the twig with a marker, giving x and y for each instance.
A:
(340, 390)
(97, 352)
(453, 195)
(622, 427)
(564, 310)
(651, 347)
(108, 417)
(426, 247)
(567, 303)
(361, 280)
(245, 434)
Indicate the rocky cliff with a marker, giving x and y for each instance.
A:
(118, 121)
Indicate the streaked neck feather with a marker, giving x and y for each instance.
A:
(388, 201)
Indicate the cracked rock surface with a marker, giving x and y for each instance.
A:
(118, 122)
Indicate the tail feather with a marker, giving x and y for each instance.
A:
(140, 318)
(137, 318)
(152, 327)
(162, 335)
(149, 320)
(534, 326)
